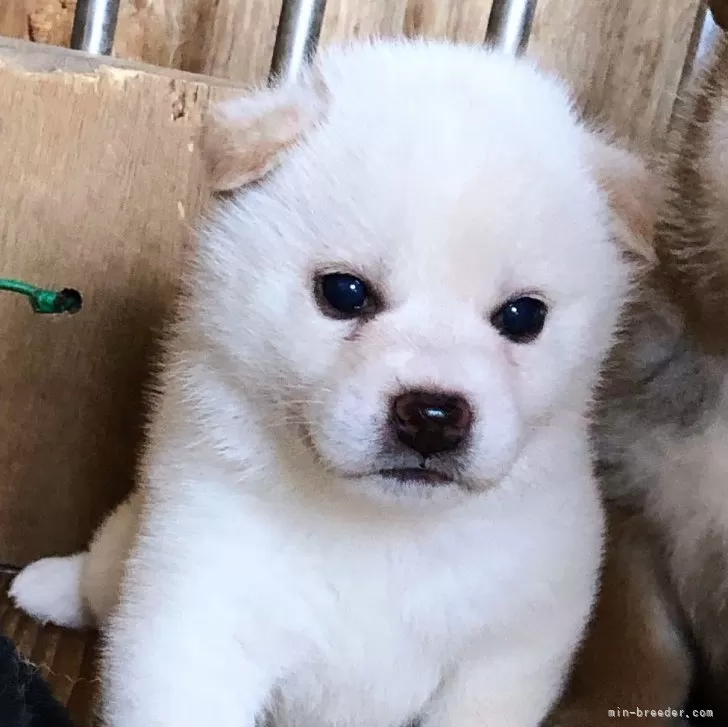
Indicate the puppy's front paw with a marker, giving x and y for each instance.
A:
(50, 591)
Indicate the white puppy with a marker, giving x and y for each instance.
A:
(367, 496)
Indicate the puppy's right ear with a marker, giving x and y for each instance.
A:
(243, 139)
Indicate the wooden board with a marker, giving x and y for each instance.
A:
(626, 59)
(143, 32)
(100, 182)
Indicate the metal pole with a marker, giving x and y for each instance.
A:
(94, 26)
(509, 25)
(298, 34)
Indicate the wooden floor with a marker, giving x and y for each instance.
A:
(67, 659)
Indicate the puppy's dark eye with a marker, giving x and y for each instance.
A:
(341, 295)
(520, 320)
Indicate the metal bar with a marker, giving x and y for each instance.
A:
(707, 31)
(299, 29)
(509, 25)
(94, 26)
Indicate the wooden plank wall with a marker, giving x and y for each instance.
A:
(100, 182)
(625, 58)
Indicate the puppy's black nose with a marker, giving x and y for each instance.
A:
(431, 422)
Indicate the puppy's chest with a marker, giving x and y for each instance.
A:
(383, 628)
(369, 677)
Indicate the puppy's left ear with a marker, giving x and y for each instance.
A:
(243, 139)
(634, 192)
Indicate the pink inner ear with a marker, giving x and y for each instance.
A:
(237, 152)
(634, 195)
(242, 141)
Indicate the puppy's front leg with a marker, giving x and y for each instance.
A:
(184, 648)
(491, 693)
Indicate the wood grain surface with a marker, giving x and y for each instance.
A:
(100, 184)
(626, 59)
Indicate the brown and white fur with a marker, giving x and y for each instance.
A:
(294, 556)
(662, 436)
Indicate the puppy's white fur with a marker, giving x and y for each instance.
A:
(273, 568)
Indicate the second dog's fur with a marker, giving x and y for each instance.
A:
(367, 516)
(661, 624)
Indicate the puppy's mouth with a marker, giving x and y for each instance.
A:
(417, 476)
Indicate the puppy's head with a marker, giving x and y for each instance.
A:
(428, 269)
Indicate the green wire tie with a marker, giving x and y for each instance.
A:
(42, 300)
